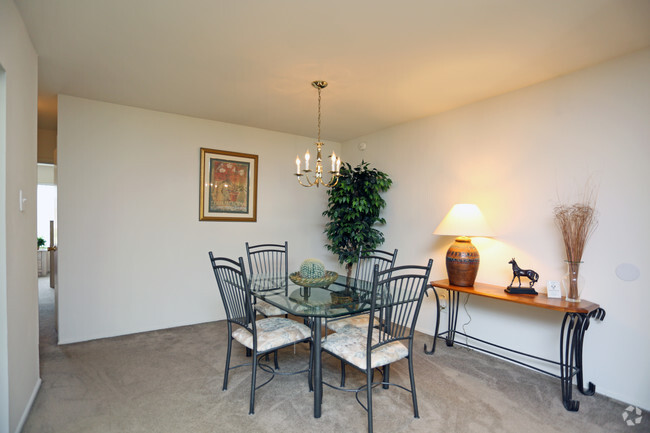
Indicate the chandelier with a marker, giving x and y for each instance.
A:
(318, 175)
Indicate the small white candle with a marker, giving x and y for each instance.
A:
(297, 165)
(307, 160)
(333, 161)
(338, 165)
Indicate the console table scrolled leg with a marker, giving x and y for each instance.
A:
(454, 300)
(567, 356)
(435, 334)
(584, 325)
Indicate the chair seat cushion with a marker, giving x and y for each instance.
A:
(350, 344)
(267, 309)
(272, 333)
(354, 321)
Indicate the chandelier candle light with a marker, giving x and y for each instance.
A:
(462, 257)
(336, 162)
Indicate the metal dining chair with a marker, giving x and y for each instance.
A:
(364, 271)
(397, 295)
(260, 336)
(270, 260)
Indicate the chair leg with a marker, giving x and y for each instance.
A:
(369, 375)
(251, 409)
(225, 374)
(342, 374)
(386, 378)
(413, 395)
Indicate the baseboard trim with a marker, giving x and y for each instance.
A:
(28, 408)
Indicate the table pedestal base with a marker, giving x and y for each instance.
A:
(318, 367)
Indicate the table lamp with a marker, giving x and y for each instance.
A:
(463, 220)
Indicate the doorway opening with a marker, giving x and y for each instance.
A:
(46, 211)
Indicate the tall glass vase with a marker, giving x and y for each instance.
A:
(573, 282)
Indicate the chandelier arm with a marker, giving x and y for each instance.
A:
(333, 181)
(309, 182)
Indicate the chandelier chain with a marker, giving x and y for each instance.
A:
(319, 89)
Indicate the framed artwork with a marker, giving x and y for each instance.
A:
(228, 186)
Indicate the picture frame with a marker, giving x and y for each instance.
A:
(228, 186)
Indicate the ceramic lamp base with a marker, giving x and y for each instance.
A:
(462, 262)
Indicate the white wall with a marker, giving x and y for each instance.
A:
(46, 174)
(19, 372)
(515, 155)
(133, 255)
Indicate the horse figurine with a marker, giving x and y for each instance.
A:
(517, 272)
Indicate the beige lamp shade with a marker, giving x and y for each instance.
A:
(462, 260)
(464, 220)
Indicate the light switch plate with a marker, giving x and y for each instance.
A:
(553, 289)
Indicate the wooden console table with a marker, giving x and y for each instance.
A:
(574, 325)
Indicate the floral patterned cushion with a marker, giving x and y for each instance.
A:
(354, 321)
(273, 332)
(350, 344)
(267, 309)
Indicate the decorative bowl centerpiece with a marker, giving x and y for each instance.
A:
(313, 274)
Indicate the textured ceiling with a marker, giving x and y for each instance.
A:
(251, 62)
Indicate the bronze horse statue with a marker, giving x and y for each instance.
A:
(517, 272)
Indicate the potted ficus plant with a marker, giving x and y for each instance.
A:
(353, 209)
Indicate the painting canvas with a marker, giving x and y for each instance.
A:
(228, 186)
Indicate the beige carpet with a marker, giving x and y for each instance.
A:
(170, 381)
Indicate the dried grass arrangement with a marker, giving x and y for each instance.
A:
(577, 223)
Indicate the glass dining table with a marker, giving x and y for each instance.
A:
(341, 298)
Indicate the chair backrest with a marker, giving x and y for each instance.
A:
(234, 291)
(397, 295)
(369, 258)
(268, 259)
